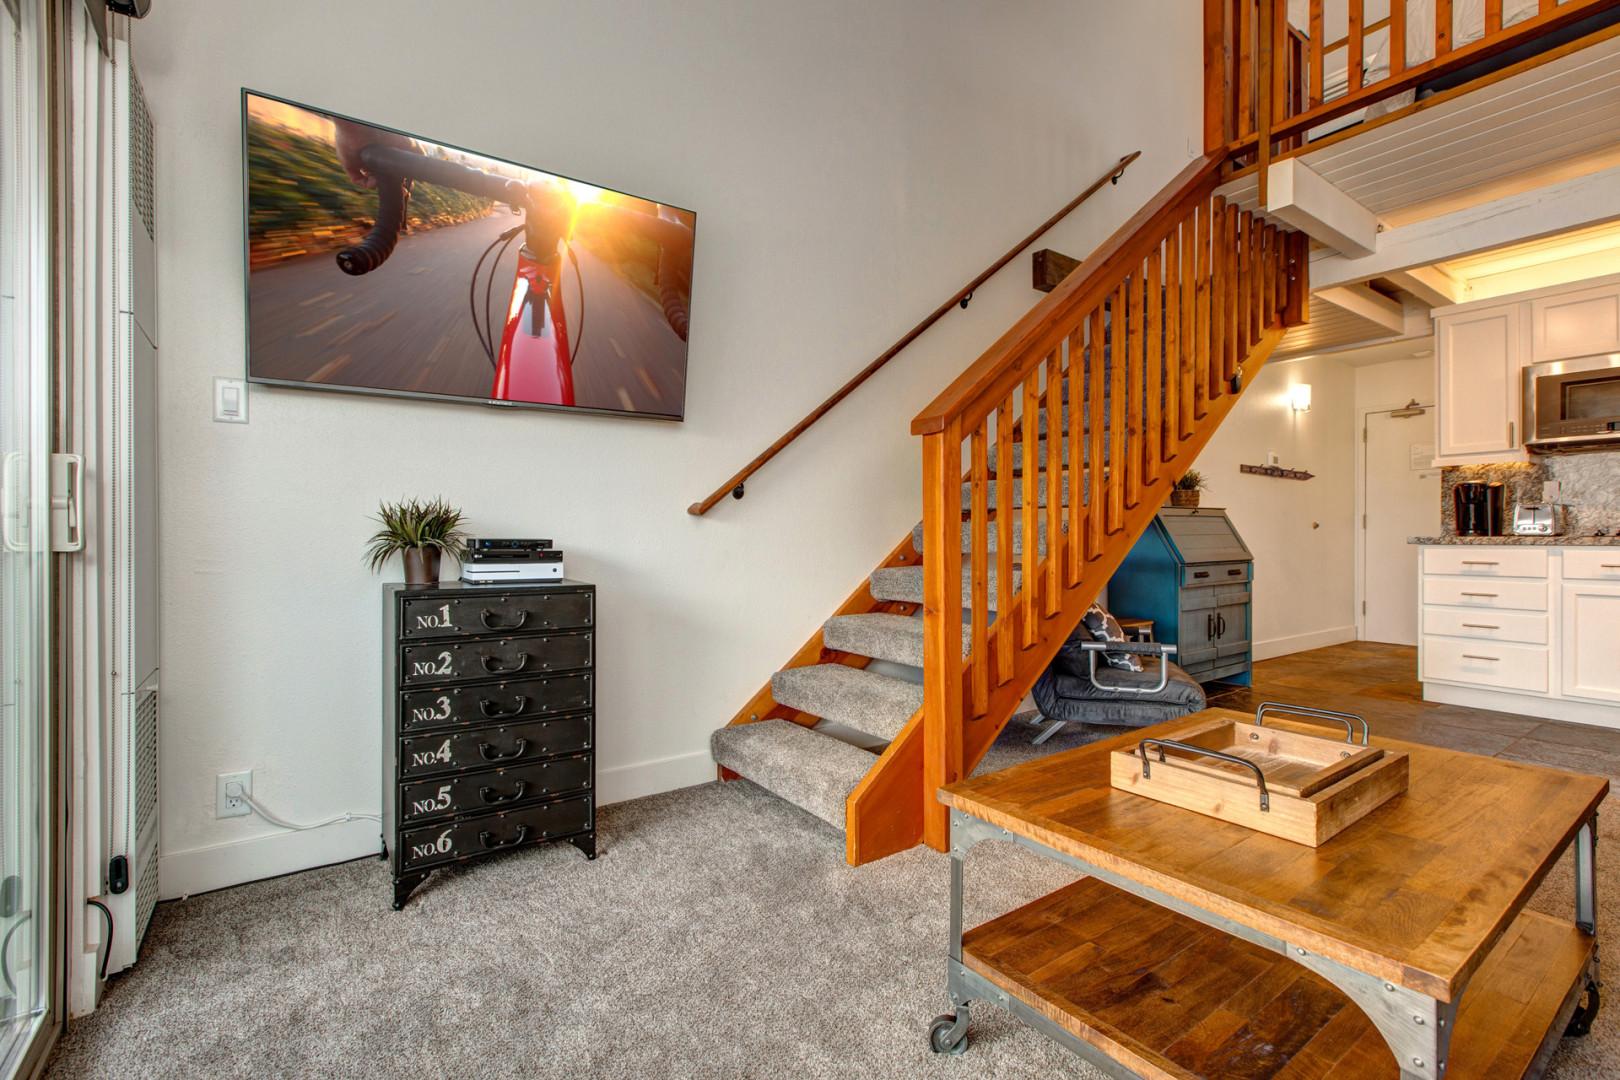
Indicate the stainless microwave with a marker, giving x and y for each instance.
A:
(1572, 404)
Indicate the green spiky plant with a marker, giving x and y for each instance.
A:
(1192, 480)
(415, 523)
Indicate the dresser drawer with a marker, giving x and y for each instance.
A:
(1596, 564)
(459, 706)
(1486, 561)
(493, 789)
(495, 612)
(1474, 593)
(1213, 596)
(1495, 664)
(1522, 626)
(448, 841)
(504, 745)
(434, 663)
(1215, 573)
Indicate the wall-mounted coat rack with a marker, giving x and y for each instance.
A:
(1277, 471)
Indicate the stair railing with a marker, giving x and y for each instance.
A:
(736, 485)
(1115, 381)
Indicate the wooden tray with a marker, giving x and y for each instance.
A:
(1300, 787)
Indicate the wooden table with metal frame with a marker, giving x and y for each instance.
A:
(1195, 947)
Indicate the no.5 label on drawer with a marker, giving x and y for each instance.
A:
(441, 801)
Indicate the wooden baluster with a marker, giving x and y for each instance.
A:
(979, 546)
(1204, 337)
(1273, 264)
(1316, 52)
(1189, 320)
(1054, 482)
(1169, 434)
(1245, 66)
(1493, 17)
(1096, 520)
(942, 621)
(1354, 53)
(1397, 36)
(1030, 586)
(1130, 444)
(1257, 268)
(1076, 389)
(1006, 432)
(1114, 453)
(1153, 352)
(1229, 354)
(1546, 6)
(1243, 251)
(1217, 296)
(1442, 28)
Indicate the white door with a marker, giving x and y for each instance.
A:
(1591, 629)
(1478, 379)
(1401, 497)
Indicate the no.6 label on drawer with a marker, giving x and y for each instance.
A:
(426, 714)
(435, 620)
(428, 757)
(441, 846)
(440, 665)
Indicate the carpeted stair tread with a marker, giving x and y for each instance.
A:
(1018, 493)
(898, 638)
(812, 771)
(877, 704)
(905, 583)
(993, 536)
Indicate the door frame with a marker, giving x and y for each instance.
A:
(1359, 521)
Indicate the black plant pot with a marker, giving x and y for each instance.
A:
(421, 566)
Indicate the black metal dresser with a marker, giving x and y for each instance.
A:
(488, 722)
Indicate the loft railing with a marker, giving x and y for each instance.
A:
(735, 486)
(1115, 381)
(1269, 80)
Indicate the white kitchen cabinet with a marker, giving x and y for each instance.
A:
(1591, 640)
(1580, 323)
(1480, 354)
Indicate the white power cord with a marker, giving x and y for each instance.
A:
(234, 790)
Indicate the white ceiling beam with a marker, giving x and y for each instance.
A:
(1362, 301)
(1529, 215)
(1431, 285)
(1303, 199)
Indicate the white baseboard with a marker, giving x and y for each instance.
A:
(1316, 639)
(203, 869)
(1546, 708)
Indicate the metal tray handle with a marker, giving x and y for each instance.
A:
(1279, 707)
(1259, 777)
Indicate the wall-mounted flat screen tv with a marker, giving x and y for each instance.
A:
(381, 262)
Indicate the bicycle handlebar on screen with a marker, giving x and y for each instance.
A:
(393, 167)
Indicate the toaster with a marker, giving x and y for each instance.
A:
(1538, 519)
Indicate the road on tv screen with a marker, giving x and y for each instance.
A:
(406, 325)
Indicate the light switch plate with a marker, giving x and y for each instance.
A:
(230, 400)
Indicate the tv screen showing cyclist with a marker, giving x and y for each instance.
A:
(379, 261)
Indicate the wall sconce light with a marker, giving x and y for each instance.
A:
(1299, 397)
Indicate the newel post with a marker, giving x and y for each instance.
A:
(942, 625)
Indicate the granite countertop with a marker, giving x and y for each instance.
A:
(1520, 541)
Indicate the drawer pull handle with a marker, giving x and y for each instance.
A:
(488, 708)
(1476, 656)
(488, 618)
(1481, 626)
(1480, 562)
(489, 753)
(1200, 573)
(495, 667)
(487, 838)
(1488, 595)
(1235, 572)
(1610, 566)
(491, 796)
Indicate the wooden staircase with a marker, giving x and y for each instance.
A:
(1129, 365)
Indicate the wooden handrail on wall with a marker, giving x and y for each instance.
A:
(735, 485)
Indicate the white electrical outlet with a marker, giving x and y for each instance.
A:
(228, 791)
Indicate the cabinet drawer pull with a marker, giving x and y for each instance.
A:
(495, 667)
(489, 753)
(488, 618)
(487, 838)
(1236, 571)
(1200, 573)
(1488, 595)
(1610, 566)
(489, 709)
(1480, 562)
(491, 796)
(1481, 626)
(1476, 656)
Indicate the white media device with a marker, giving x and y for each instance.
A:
(490, 573)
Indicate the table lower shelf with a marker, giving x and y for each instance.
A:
(1167, 996)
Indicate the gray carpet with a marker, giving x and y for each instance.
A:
(719, 935)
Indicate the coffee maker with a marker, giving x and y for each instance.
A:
(1477, 508)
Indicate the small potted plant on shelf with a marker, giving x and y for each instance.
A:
(1185, 493)
(421, 531)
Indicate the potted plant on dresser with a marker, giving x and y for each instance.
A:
(1187, 488)
(420, 530)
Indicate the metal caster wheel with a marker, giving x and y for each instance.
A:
(941, 1031)
(1581, 1022)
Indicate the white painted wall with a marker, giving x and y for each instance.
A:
(851, 164)
(1301, 532)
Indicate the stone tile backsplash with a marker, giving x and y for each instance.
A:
(1591, 488)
